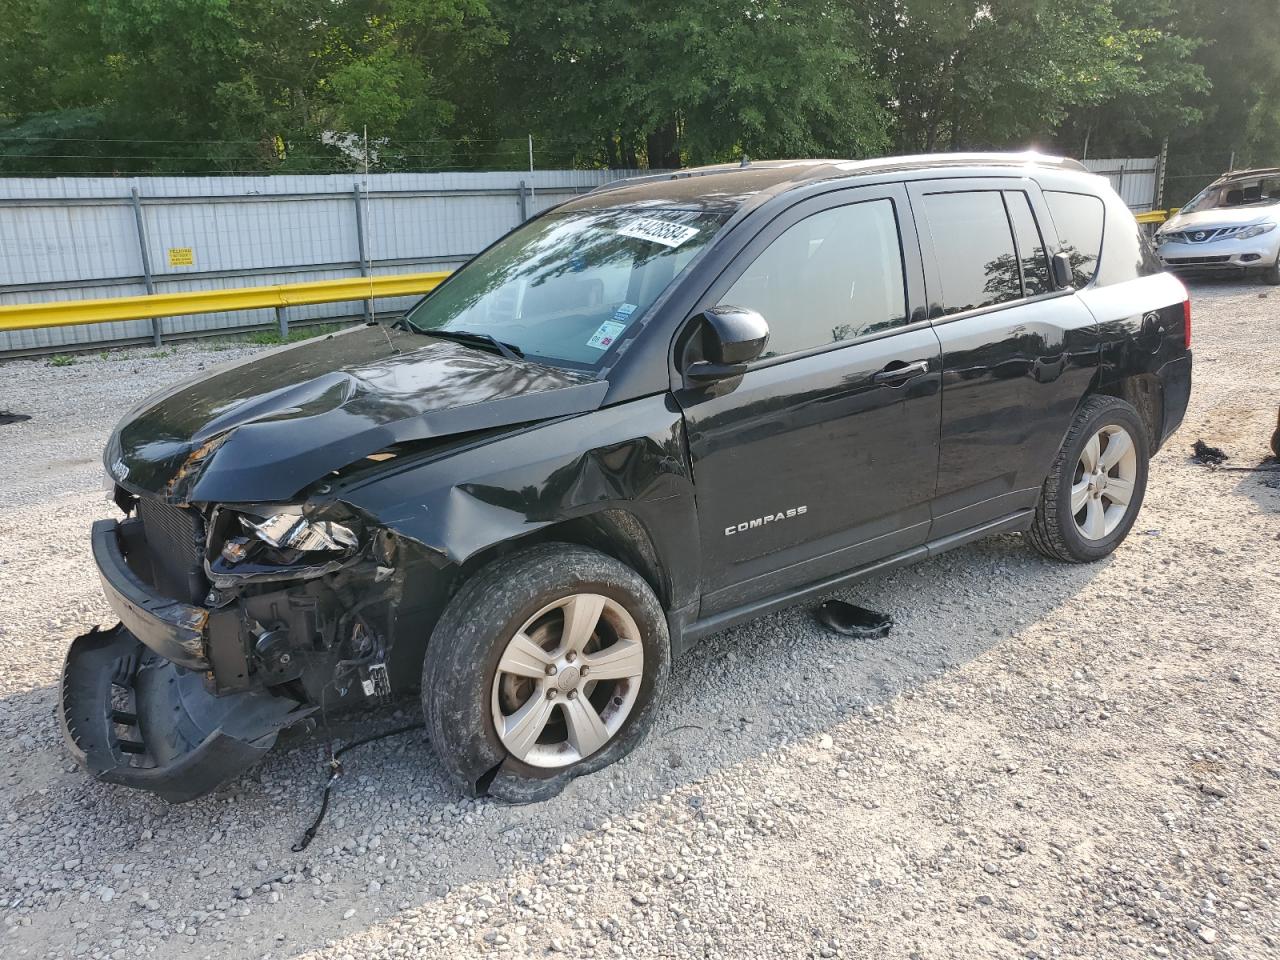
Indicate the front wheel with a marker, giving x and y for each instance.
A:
(1271, 275)
(1092, 495)
(547, 664)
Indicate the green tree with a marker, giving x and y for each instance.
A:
(1240, 56)
(223, 85)
(290, 85)
(672, 82)
(1156, 88)
(999, 73)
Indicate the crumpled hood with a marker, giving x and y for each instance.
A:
(263, 429)
(1223, 217)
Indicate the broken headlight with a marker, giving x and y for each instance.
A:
(284, 542)
(289, 531)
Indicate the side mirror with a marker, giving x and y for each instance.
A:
(731, 338)
(1063, 275)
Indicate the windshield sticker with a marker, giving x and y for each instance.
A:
(607, 333)
(624, 312)
(658, 231)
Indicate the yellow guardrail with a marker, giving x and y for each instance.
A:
(27, 316)
(1156, 216)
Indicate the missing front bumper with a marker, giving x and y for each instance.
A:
(131, 717)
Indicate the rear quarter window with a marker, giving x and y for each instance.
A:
(1104, 241)
(1079, 219)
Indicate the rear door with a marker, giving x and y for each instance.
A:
(823, 456)
(1017, 352)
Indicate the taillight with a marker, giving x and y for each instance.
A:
(1186, 323)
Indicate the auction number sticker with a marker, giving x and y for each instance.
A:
(658, 231)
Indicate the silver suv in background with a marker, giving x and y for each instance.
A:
(1229, 226)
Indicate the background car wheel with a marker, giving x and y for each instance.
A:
(1271, 275)
(547, 664)
(1093, 493)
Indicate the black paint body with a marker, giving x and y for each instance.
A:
(489, 454)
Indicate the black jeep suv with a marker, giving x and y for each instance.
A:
(665, 407)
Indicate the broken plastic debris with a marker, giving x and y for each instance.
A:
(1201, 452)
(854, 621)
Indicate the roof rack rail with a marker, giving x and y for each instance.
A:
(806, 167)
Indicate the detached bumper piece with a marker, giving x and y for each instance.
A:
(132, 718)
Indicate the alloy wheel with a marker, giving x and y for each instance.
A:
(1103, 485)
(567, 680)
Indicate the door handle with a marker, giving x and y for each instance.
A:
(898, 373)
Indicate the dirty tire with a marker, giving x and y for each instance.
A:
(471, 637)
(1053, 531)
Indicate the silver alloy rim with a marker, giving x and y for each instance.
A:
(567, 680)
(1102, 487)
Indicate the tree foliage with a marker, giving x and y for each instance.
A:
(672, 81)
(988, 73)
(292, 85)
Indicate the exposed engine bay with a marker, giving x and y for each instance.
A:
(237, 623)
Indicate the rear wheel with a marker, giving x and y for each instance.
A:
(547, 664)
(1092, 495)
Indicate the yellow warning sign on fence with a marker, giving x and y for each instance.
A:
(182, 257)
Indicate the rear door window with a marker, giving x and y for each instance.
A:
(1078, 218)
(973, 244)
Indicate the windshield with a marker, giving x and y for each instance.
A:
(1257, 191)
(565, 287)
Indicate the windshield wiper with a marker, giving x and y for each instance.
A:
(508, 350)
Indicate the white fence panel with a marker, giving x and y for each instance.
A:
(1136, 179)
(77, 238)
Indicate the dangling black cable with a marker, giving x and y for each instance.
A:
(335, 771)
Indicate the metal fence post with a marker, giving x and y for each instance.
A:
(1161, 164)
(364, 253)
(156, 324)
(282, 323)
(523, 192)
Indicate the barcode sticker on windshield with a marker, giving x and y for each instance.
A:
(606, 334)
(658, 231)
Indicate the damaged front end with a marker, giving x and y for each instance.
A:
(237, 622)
(253, 590)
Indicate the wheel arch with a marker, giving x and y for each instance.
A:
(1142, 391)
(614, 531)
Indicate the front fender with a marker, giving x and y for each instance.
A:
(631, 458)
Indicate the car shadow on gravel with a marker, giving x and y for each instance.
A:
(771, 684)
(1262, 486)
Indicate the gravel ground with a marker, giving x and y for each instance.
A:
(1039, 761)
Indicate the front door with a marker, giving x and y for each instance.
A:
(823, 456)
